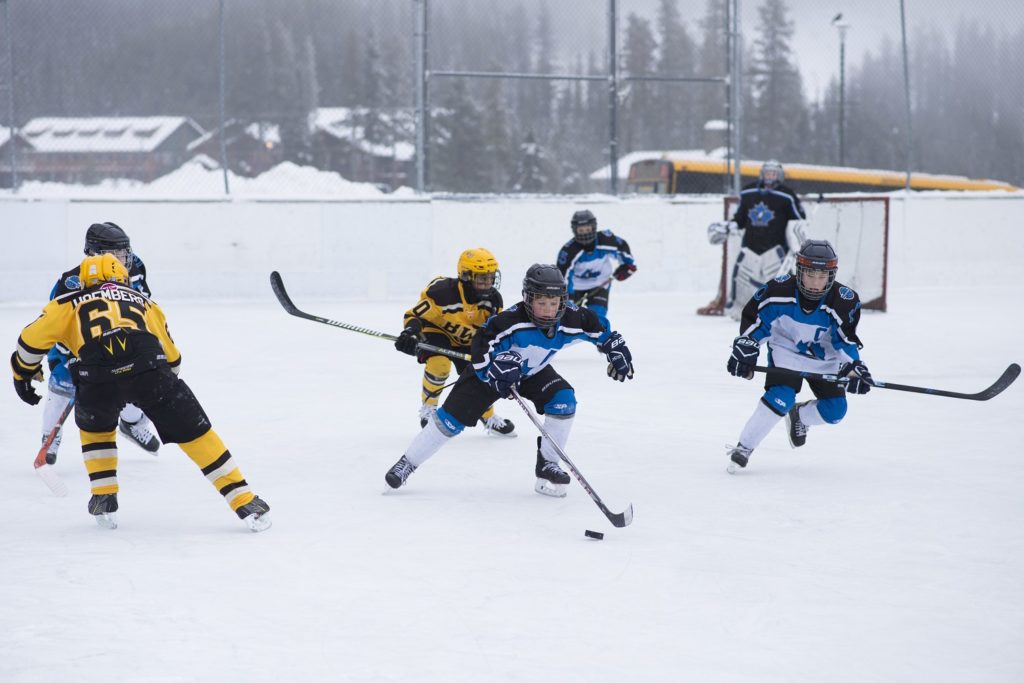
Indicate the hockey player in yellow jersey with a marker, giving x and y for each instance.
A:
(448, 314)
(123, 352)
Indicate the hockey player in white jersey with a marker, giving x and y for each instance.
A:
(809, 323)
(771, 221)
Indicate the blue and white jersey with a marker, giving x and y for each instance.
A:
(512, 330)
(817, 341)
(586, 268)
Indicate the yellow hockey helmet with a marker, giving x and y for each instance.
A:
(479, 262)
(102, 268)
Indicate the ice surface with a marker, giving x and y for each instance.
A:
(890, 548)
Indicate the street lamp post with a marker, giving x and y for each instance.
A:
(838, 22)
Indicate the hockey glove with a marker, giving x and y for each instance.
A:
(624, 271)
(859, 378)
(744, 357)
(504, 372)
(719, 232)
(408, 339)
(620, 360)
(26, 392)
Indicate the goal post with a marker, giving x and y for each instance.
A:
(858, 228)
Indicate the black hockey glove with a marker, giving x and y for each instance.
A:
(504, 372)
(744, 357)
(624, 271)
(860, 379)
(26, 392)
(408, 339)
(620, 360)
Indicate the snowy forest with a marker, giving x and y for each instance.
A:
(284, 59)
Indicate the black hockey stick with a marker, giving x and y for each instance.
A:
(620, 519)
(1005, 380)
(277, 284)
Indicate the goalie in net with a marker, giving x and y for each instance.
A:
(770, 220)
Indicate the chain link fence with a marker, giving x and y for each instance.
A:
(362, 98)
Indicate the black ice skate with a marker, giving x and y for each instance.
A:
(399, 473)
(255, 514)
(499, 426)
(104, 508)
(551, 479)
(141, 433)
(740, 456)
(797, 429)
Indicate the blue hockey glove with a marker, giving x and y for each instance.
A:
(504, 372)
(744, 357)
(624, 271)
(860, 379)
(620, 360)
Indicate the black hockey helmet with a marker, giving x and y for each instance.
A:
(581, 218)
(544, 280)
(108, 238)
(772, 174)
(816, 255)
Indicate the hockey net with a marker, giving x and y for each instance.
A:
(858, 228)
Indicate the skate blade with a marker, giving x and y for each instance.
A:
(495, 432)
(546, 488)
(107, 520)
(733, 468)
(52, 480)
(258, 523)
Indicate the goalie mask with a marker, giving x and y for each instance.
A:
(772, 174)
(108, 238)
(101, 268)
(479, 270)
(544, 281)
(816, 266)
(584, 227)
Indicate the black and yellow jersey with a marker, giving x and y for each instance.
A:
(444, 308)
(80, 316)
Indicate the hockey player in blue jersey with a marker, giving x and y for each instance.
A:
(591, 260)
(100, 238)
(514, 349)
(809, 323)
(770, 219)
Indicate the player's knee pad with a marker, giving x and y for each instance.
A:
(439, 367)
(780, 398)
(448, 423)
(832, 410)
(562, 404)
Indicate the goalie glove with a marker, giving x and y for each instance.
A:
(719, 232)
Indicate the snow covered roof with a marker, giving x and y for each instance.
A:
(257, 130)
(104, 133)
(345, 123)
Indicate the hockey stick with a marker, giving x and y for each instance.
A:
(46, 471)
(277, 284)
(1005, 380)
(620, 519)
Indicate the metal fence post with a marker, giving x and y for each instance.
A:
(10, 95)
(613, 101)
(223, 77)
(420, 50)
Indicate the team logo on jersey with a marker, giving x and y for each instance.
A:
(846, 293)
(571, 305)
(759, 294)
(761, 215)
(108, 287)
(72, 282)
(783, 277)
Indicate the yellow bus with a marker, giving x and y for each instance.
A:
(676, 175)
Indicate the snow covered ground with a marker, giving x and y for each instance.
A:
(890, 548)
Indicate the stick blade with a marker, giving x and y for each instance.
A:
(622, 519)
(1008, 377)
(277, 284)
(52, 480)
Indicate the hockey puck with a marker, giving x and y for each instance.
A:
(596, 535)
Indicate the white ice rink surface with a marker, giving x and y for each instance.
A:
(890, 548)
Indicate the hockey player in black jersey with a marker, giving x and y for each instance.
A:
(591, 260)
(514, 349)
(100, 238)
(809, 323)
(770, 219)
(448, 314)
